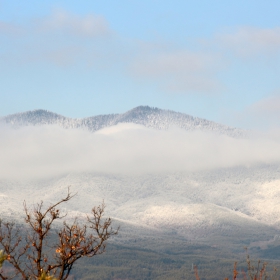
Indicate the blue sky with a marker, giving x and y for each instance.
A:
(219, 60)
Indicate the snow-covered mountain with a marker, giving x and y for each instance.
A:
(228, 201)
(143, 115)
(239, 203)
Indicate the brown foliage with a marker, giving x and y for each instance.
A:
(33, 255)
(196, 273)
(258, 272)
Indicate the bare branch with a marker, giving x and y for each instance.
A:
(33, 258)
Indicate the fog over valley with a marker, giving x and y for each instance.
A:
(46, 151)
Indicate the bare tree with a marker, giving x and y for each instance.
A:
(32, 254)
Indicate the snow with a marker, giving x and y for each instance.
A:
(143, 115)
(193, 203)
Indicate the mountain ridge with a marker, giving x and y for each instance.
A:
(150, 117)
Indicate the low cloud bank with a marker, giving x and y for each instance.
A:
(38, 152)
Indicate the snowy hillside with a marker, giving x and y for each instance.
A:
(144, 115)
(194, 181)
(230, 202)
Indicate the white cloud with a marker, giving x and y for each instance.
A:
(250, 41)
(35, 152)
(262, 115)
(175, 62)
(269, 105)
(62, 56)
(182, 71)
(60, 38)
(64, 39)
(265, 112)
(88, 26)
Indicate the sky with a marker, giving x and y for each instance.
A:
(218, 60)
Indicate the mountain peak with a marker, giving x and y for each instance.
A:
(34, 117)
(150, 117)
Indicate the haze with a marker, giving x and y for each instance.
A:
(47, 151)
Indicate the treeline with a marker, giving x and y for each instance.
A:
(137, 264)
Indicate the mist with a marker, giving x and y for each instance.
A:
(48, 151)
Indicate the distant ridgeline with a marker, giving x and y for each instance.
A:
(143, 115)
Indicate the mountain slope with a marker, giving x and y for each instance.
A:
(225, 203)
(143, 115)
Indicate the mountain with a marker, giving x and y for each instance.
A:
(236, 205)
(233, 206)
(144, 115)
